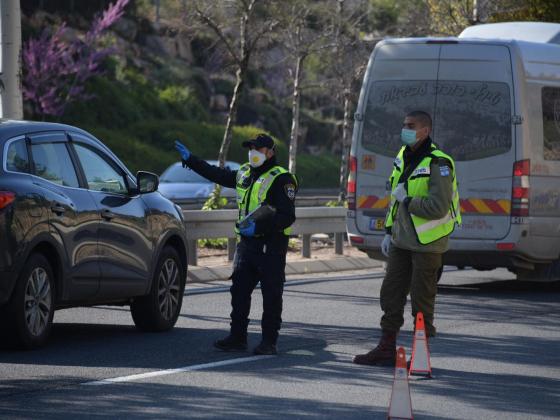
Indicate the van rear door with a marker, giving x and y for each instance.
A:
(468, 89)
(401, 78)
(472, 123)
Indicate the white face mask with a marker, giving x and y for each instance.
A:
(256, 158)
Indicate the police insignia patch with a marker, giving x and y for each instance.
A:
(444, 170)
(290, 190)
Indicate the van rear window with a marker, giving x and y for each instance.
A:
(472, 120)
(551, 122)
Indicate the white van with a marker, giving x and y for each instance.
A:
(494, 96)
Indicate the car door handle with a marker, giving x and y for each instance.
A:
(107, 214)
(58, 208)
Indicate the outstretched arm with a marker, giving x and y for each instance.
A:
(223, 176)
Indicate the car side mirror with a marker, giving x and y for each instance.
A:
(147, 182)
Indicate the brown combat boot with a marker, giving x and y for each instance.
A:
(383, 355)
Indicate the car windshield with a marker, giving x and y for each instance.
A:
(176, 173)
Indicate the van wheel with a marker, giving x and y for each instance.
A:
(159, 310)
(32, 305)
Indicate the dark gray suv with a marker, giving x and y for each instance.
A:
(77, 229)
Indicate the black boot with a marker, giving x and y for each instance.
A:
(232, 343)
(265, 348)
(383, 355)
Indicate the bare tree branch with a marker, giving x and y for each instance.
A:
(207, 20)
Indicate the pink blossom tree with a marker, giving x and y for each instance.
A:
(55, 70)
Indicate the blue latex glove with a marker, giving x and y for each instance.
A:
(185, 153)
(248, 230)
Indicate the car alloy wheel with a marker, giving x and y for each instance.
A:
(160, 308)
(169, 288)
(38, 301)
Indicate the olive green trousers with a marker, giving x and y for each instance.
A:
(409, 272)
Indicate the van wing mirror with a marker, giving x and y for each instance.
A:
(147, 182)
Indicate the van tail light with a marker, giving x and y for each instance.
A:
(6, 198)
(356, 239)
(520, 188)
(351, 188)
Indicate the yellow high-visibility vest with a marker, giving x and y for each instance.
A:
(252, 195)
(417, 183)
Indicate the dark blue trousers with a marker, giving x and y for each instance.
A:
(253, 264)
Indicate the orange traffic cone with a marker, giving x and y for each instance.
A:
(400, 406)
(420, 363)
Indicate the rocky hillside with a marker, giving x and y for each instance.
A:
(163, 83)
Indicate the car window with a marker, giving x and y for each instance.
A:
(52, 162)
(100, 175)
(17, 159)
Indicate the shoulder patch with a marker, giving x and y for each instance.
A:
(290, 191)
(444, 170)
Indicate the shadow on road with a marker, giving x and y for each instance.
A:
(140, 400)
(502, 286)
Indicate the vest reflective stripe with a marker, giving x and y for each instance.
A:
(258, 191)
(427, 230)
(434, 223)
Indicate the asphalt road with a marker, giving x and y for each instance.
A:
(496, 356)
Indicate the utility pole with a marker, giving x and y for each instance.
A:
(11, 104)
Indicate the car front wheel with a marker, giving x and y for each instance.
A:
(30, 311)
(159, 310)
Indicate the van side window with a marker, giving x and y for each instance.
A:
(551, 122)
(16, 158)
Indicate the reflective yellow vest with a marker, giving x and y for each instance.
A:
(417, 185)
(252, 195)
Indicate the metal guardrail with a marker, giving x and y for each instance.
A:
(304, 198)
(220, 224)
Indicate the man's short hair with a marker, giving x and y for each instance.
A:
(422, 117)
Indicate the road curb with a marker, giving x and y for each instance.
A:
(208, 274)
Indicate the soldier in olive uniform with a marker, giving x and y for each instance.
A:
(423, 212)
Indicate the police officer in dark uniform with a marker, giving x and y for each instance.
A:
(265, 197)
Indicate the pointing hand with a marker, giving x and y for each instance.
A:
(185, 153)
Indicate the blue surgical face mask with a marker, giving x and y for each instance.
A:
(408, 137)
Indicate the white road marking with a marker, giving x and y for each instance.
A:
(192, 368)
(301, 353)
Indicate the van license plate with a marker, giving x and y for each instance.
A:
(376, 224)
